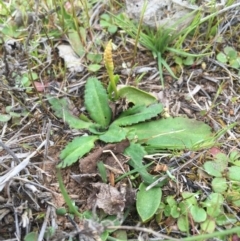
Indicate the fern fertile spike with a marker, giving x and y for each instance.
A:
(108, 56)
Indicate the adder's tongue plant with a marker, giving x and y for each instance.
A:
(110, 70)
(136, 124)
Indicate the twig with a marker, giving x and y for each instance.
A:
(44, 225)
(191, 93)
(119, 163)
(33, 24)
(14, 171)
(18, 233)
(35, 184)
(172, 171)
(146, 230)
(49, 125)
(7, 149)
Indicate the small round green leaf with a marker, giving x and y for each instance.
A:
(230, 52)
(112, 29)
(148, 201)
(234, 156)
(234, 63)
(61, 211)
(208, 226)
(184, 207)
(212, 168)
(226, 219)
(189, 60)
(219, 184)
(33, 236)
(233, 173)
(183, 223)
(4, 118)
(175, 211)
(214, 199)
(95, 58)
(198, 214)
(171, 201)
(214, 203)
(94, 67)
(167, 211)
(221, 57)
(189, 198)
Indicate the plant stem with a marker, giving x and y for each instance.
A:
(159, 57)
(210, 235)
(65, 195)
(112, 81)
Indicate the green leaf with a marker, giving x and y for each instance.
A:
(198, 214)
(12, 31)
(208, 226)
(95, 58)
(214, 199)
(216, 168)
(171, 201)
(219, 184)
(230, 52)
(235, 63)
(112, 29)
(76, 149)
(175, 212)
(112, 85)
(233, 197)
(212, 168)
(104, 24)
(226, 219)
(234, 156)
(96, 102)
(183, 223)
(94, 67)
(221, 57)
(136, 153)
(189, 198)
(104, 235)
(145, 113)
(189, 60)
(136, 96)
(214, 203)
(172, 133)
(71, 207)
(61, 211)
(33, 236)
(76, 42)
(5, 118)
(102, 171)
(106, 17)
(167, 210)
(120, 235)
(234, 173)
(114, 134)
(184, 207)
(148, 201)
(185, 54)
(132, 111)
(61, 110)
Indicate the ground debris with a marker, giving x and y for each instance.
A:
(111, 199)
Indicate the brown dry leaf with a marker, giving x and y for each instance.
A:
(110, 199)
(89, 163)
(160, 168)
